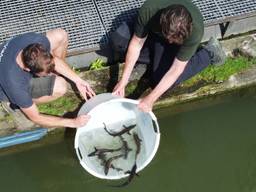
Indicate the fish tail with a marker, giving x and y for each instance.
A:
(93, 153)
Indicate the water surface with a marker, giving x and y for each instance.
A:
(209, 147)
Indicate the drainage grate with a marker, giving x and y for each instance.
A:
(79, 17)
(209, 10)
(219, 10)
(114, 12)
(236, 7)
(88, 21)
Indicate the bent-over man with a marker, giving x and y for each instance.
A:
(30, 69)
(168, 33)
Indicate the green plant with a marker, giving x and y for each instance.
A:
(97, 64)
(76, 70)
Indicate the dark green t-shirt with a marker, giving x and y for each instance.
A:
(148, 20)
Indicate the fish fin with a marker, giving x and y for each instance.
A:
(91, 154)
(106, 170)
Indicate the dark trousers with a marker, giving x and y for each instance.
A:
(158, 54)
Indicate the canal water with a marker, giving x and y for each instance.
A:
(206, 146)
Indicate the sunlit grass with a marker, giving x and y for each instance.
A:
(223, 72)
(60, 106)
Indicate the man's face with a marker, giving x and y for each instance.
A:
(47, 69)
(173, 40)
(170, 41)
(42, 74)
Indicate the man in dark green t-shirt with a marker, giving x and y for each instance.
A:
(171, 30)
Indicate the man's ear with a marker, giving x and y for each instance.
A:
(26, 69)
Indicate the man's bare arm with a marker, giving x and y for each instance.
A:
(63, 68)
(83, 86)
(51, 121)
(166, 82)
(132, 56)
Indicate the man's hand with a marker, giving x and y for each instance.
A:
(119, 89)
(85, 89)
(145, 104)
(81, 120)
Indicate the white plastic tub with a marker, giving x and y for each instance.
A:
(115, 112)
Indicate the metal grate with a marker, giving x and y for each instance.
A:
(79, 17)
(209, 10)
(88, 21)
(236, 7)
(114, 12)
(219, 10)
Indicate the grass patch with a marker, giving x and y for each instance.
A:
(60, 106)
(214, 74)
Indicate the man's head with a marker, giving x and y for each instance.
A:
(37, 59)
(176, 23)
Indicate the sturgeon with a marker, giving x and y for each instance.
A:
(108, 164)
(126, 129)
(97, 152)
(132, 172)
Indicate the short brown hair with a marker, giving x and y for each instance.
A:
(37, 59)
(176, 23)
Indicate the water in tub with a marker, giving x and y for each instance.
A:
(100, 139)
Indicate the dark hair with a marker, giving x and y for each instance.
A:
(37, 59)
(176, 23)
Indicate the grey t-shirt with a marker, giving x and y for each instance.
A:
(14, 82)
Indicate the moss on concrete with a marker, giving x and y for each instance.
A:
(7, 118)
(218, 74)
(59, 107)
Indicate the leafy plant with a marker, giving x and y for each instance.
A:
(97, 64)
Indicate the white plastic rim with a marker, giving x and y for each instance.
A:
(86, 129)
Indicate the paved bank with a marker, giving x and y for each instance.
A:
(103, 81)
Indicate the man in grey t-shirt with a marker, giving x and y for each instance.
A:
(30, 69)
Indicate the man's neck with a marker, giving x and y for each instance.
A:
(19, 61)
